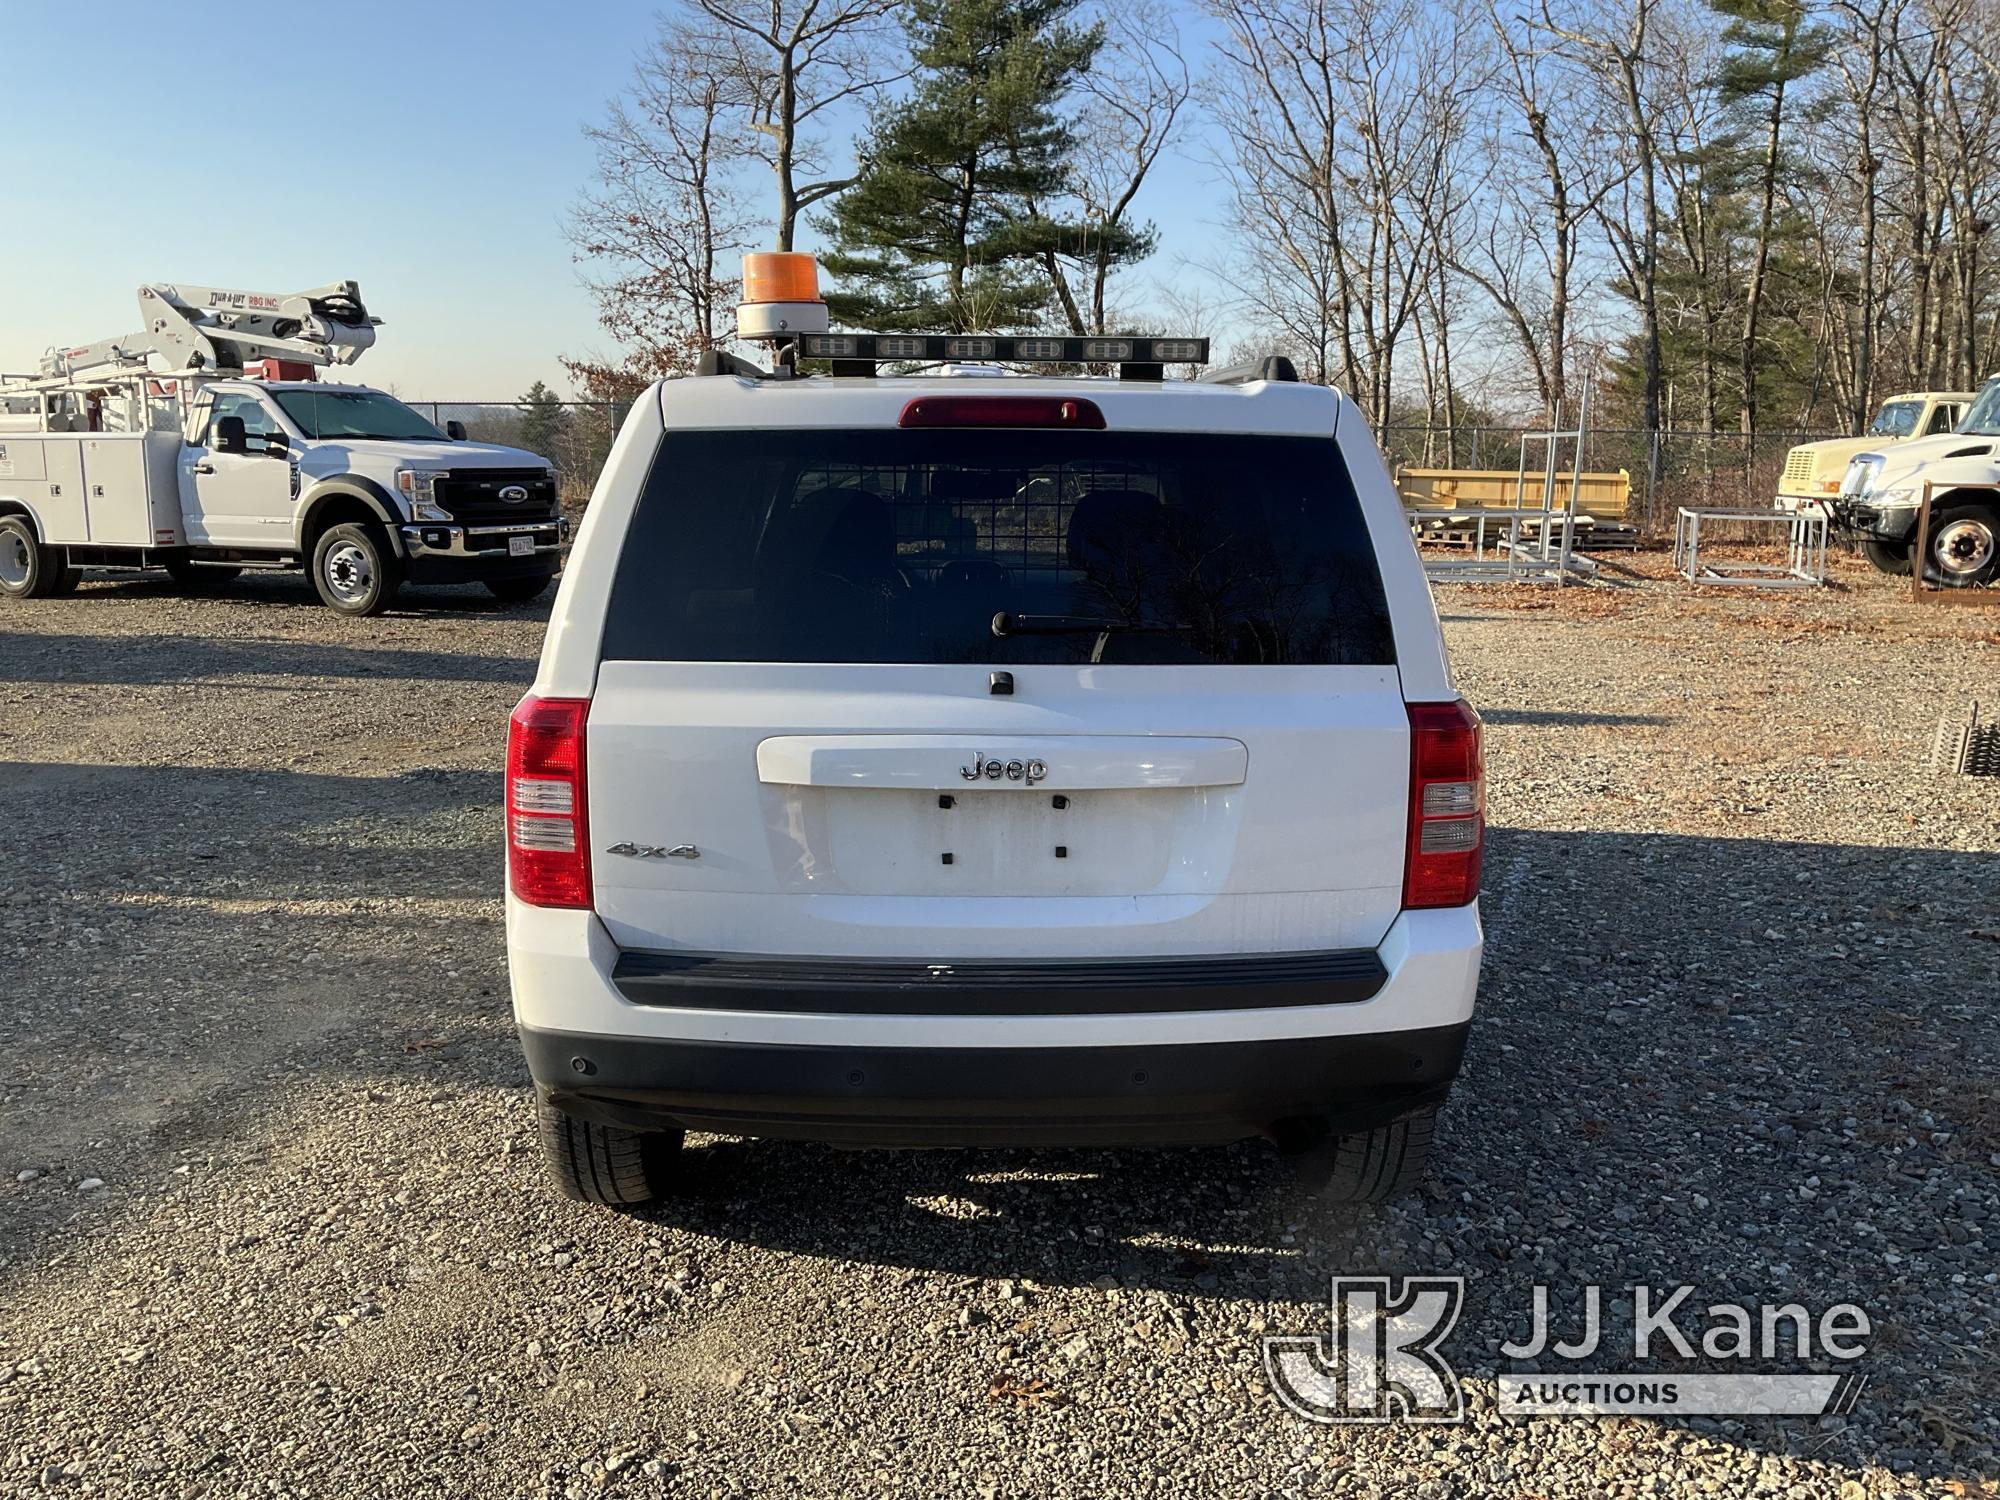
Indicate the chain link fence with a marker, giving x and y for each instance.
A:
(1667, 469)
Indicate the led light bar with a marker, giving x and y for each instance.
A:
(1029, 351)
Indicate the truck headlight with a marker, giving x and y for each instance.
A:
(417, 486)
(1861, 474)
(1903, 494)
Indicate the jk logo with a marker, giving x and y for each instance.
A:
(1379, 1360)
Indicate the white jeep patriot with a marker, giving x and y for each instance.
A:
(966, 758)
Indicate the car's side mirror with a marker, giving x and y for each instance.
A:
(230, 436)
(455, 431)
(277, 445)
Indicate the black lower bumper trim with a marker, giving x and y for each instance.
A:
(1895, 523)
(1059, 987)
(1179, 1093)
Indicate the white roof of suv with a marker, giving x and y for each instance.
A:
(1275, 407)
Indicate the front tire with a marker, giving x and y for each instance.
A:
(1962, 550)
(605, 1164)
(517, 590)
(1887, 556)
(1372, 1166)
(354, 571)
(28, 569)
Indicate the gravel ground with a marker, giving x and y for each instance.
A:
(272, 1220)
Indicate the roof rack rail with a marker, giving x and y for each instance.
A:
(1270, 367)
(720, 362)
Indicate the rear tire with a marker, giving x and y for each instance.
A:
(605, 1164)
(1888, 557)
(354, 570)
(517, 590)
(194, 576)
(28, 569)
(1373, 1166)
(1963, 547)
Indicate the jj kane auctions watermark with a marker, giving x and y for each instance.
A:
(1382, 1357)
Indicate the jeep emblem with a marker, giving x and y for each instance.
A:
(982, 769)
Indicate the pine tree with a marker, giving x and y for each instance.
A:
(544, 420)
(952, 215)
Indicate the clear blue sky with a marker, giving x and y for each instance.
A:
(427, 150)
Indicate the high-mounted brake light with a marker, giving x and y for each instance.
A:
(1002, 411)
(548, 837)
(1447, 806)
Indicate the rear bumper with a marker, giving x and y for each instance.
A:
(972, 1096)
(1199, 1048)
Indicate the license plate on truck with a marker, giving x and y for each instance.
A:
(520, 546)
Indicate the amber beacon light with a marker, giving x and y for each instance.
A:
(780, 296)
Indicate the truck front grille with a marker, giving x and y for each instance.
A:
(473, 496)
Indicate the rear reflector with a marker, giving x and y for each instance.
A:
(548, 846)
(1447, 806)
(1002, 411)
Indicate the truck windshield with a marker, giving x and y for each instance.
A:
(1897, 419)
(1984, 418)
(999, 548)
(356, 414)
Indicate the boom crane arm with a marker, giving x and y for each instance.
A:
(218, 329)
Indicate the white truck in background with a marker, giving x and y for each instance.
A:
(204, 445)
(1813, 471)
(1882, 493)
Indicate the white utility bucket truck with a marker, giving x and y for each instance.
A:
(204, 445)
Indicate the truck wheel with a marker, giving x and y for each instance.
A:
(192, 575)
(595, 1163)
(1887, 556)
(1372, 1166)
(517, 590)
(28, 570)
(1963, 546)
(354, 570)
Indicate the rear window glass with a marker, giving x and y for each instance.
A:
(890, 545)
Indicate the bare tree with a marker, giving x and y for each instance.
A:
(665, 211)
(1614, 44)
(1694, 137)
(792, 61)
(1548, 177)
(1344, 118)
(1133, 101)
(1863, 63)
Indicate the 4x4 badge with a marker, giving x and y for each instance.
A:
(982, 769)
(655, 851)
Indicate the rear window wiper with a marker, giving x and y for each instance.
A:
(1006, 624)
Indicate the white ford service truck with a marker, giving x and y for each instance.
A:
(966, 757)
(174, 448)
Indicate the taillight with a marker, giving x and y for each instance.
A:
(1447, 806)
(1002, 411)
(548, 841)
